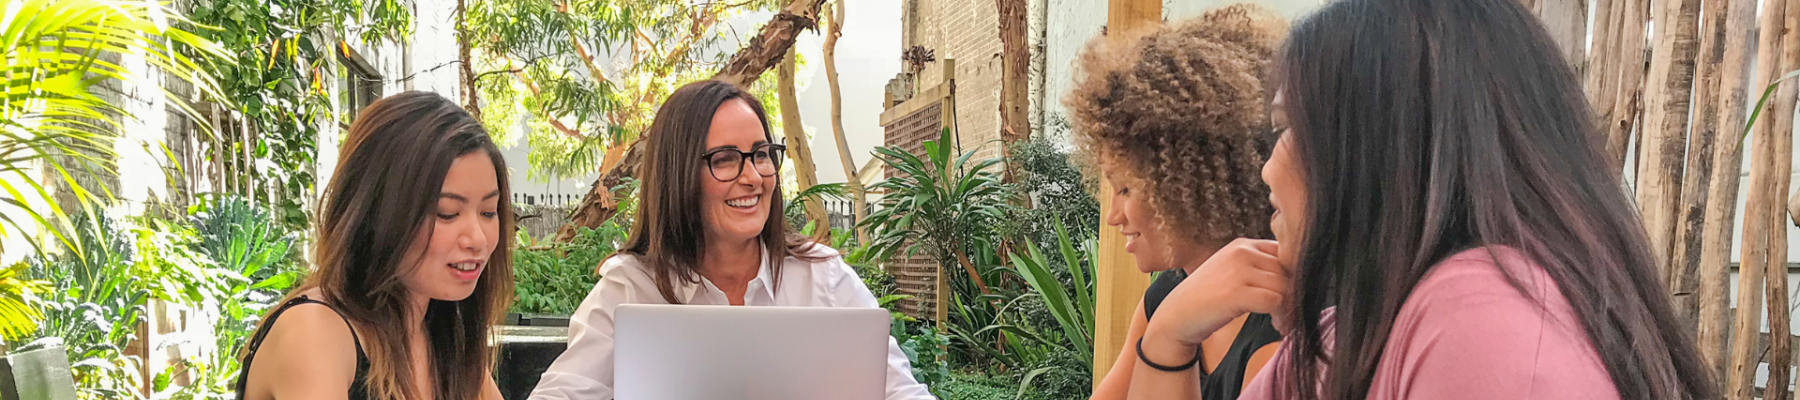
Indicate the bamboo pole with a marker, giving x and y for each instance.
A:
(1627, 102)
(1780, 165)
(1722, 189)
(1754, 259)
(1664, 133)
(1118, 284)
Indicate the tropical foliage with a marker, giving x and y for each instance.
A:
(941, 204)
(57, 54)
(276, 84)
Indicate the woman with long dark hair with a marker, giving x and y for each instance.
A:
(1447, 226)
(1191, 90)
(708, 230)
(413, 259)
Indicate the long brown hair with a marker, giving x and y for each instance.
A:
(388, 178)
(1428, 127)
(667, 233)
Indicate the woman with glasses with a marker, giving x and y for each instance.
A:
(708, 231)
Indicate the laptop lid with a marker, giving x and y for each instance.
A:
(751, 353)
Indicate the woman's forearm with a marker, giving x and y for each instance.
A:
(1148, 382)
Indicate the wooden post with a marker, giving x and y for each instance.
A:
(1567, 22)
(1722, 188)
(948, 121)
(1779, 166)
(1627, 101)
(1599, 71)
(1663, 149)
(1754, 261)
(1118, 284)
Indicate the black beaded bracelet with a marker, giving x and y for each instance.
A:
(1146, 360)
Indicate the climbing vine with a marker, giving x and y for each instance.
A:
(274, 84)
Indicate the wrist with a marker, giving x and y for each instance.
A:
(1163, 352)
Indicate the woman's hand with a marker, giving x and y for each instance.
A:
(1242, 277)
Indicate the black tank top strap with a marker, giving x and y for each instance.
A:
(1159, 289)
(357, 389)
(1226, 381)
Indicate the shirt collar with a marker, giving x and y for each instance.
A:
(763, 282)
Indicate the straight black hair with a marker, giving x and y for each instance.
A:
(1427, 127)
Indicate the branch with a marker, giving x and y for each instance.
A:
(544, 112)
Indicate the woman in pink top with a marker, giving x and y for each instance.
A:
(1448, 227)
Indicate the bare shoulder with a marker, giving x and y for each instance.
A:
(309, 349)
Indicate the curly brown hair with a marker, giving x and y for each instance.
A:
(1180, 113)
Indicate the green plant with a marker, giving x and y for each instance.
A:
(18, 295)
(553, 279)
(93, 307)
(923, 346)
(1058, 192)
(274, 79)
(52, 118)
(941, 204)
(251, 267)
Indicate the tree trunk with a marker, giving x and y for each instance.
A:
(1714, 158)
(969, 268)
(1755, 258)
(1628, 101)
(1780, 165)
(466, 70)
(834, 23)
(799, 149)
(764, 51)
(1664, 134)
(1015, 62)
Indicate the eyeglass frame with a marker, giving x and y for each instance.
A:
(745, 158)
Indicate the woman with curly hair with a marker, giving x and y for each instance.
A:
(1176, 120)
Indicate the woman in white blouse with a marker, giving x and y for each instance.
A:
(708, 230)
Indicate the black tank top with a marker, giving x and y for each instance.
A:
(358, 390)
(1226, 381)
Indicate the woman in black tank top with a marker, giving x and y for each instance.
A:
(1225, 379)
(412, 267)
(1177, 123)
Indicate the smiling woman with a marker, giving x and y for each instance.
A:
(704, 234)
(413, 266)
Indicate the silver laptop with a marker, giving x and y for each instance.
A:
(683, 352)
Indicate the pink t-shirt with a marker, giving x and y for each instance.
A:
(1465, 333)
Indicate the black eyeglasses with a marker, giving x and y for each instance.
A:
(727, 164)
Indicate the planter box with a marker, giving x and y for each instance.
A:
(515, 319)
(525, 352)
(37, 375)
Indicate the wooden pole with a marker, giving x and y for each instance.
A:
(1663, 149)
(1627, 102)
(1118, 284)
(1567, 22)
(1780, 166)
(1601, 68)
(1720, 199)
(1754, 260)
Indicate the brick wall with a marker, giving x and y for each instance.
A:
(967, 31)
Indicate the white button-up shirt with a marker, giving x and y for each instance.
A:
(585, 370)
